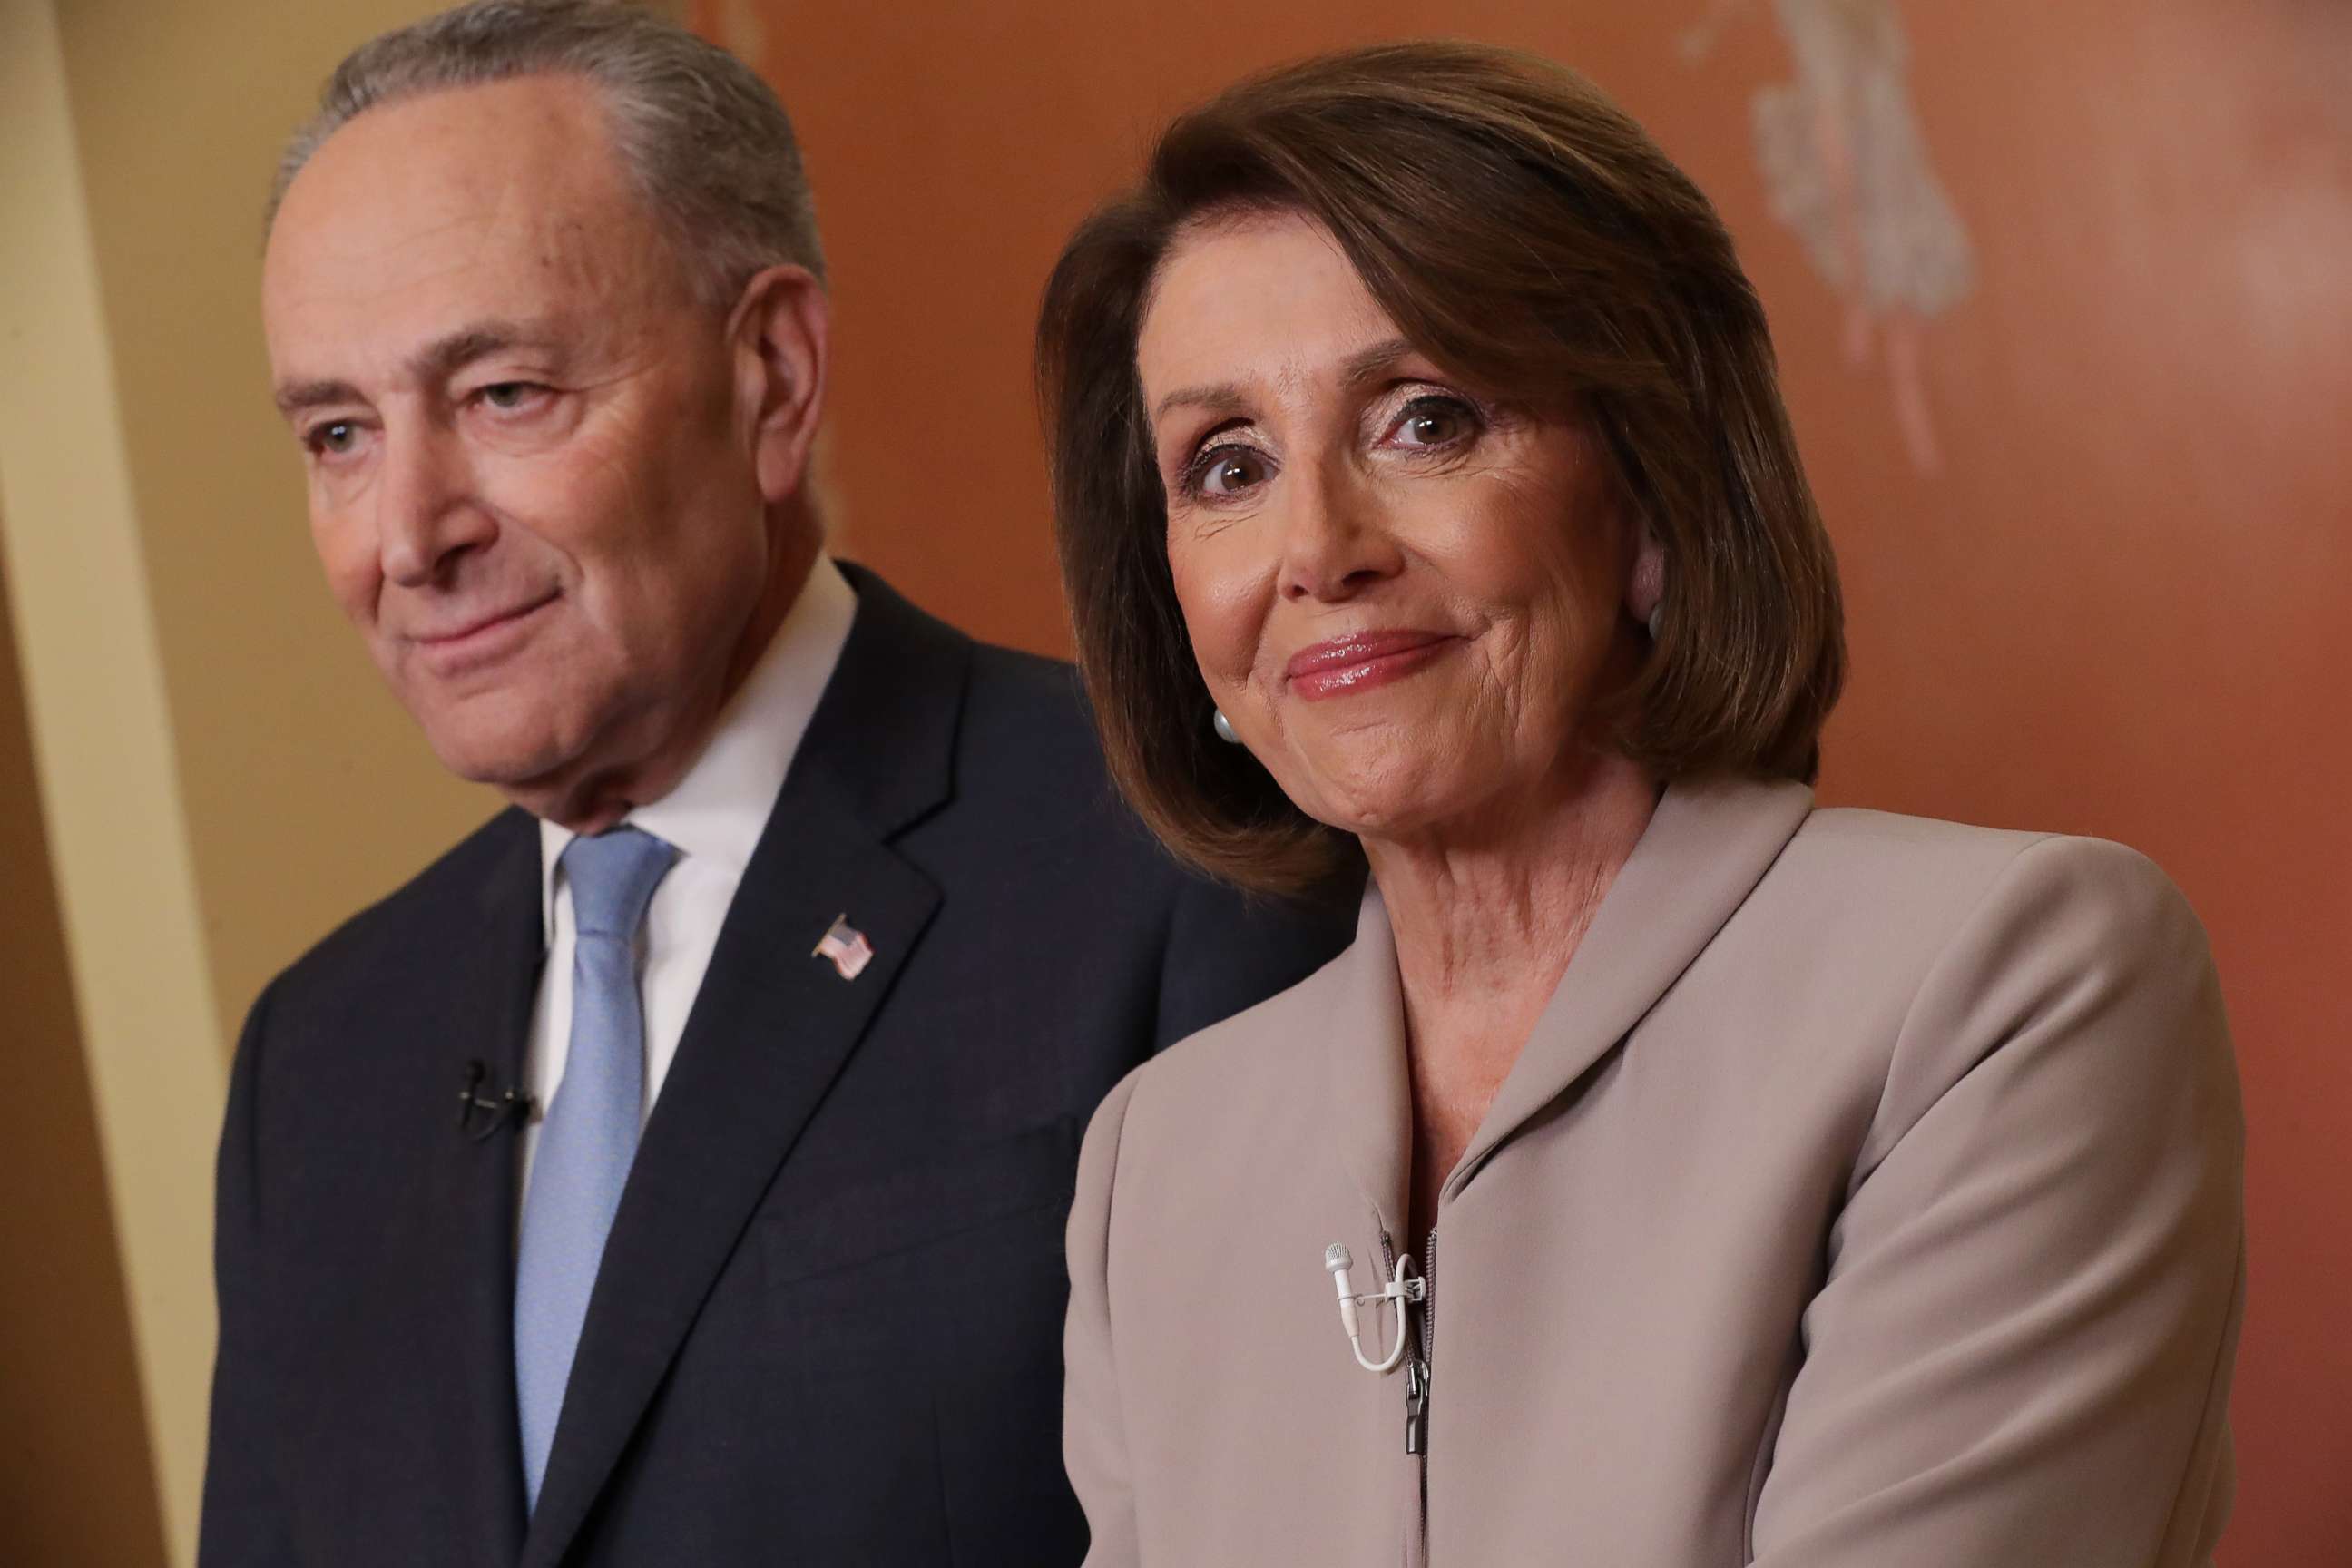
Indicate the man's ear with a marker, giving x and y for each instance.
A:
(780, 330)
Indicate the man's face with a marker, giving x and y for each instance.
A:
(533, 472)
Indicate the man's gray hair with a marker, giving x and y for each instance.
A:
(703, 140)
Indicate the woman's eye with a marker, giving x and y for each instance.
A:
(1434, 422)
(1228, 471)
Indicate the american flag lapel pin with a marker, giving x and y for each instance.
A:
(846, 946)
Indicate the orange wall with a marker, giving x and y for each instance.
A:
(2114, 606)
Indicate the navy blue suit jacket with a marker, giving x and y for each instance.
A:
(827, 1325)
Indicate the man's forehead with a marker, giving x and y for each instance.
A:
(530, 150)
(477, 203)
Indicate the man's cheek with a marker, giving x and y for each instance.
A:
(358, 590)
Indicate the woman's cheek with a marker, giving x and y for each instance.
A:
(1222, 612)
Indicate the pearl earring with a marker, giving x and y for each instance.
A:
(1650, 582)
(1224, 728)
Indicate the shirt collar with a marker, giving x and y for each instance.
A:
(719, 809)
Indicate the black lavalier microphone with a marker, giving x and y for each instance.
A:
(480, 1115)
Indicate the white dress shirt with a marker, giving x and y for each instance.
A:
(714, 819)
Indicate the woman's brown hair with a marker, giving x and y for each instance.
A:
(1526, 234)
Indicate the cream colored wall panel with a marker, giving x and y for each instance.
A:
(308, 791)
(102, 743)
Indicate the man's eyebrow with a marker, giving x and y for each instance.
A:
(293, 396)
(436, 361)
(448, 354)
(1359, 367)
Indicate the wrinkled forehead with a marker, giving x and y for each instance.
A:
(1266, 304)
(500, 201)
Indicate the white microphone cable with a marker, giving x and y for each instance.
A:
(1400, 1288)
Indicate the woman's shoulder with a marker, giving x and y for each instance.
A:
(1265, 1042)
(2006, 947)
(1922, 936)
(1238, 1078)
(1885, 865)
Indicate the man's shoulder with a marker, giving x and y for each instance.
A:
(1016, 699)
(1027, 757)
(427, 912)
(1021, 726)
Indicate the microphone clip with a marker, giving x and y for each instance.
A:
(1404, 1288)
(505, 1108)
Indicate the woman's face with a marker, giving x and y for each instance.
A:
(1405, 598)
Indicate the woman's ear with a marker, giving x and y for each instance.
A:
(780, 328)
(1645, 584)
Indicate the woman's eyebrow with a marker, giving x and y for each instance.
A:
(1365, 364)
(1222, 394)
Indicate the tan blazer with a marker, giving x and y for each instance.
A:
(1868, 1197)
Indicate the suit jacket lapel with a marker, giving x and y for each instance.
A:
(771, 1030)
(1357, 1005)
(1706, 847)
(460, 1238)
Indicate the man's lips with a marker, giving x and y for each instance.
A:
(1360, 660)
(459, 631)
(479, 641)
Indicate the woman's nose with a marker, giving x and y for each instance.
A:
(1337, 541)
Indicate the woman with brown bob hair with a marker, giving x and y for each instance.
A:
(1801, 1185)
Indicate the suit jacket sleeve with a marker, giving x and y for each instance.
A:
(1227, 952)
(2020, 1352)
(244, 1523)
(1094, 1438)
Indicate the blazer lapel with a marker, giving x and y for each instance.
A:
(769, 1031)
(1706, 847)
(1357, 1005)
(458, 1241)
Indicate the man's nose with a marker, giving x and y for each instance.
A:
(1337, 541)
(427, 511)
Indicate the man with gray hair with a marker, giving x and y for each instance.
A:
(672, 1172)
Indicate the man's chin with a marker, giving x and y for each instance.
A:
(564, 761)
(499, 762)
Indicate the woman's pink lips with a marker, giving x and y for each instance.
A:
(1361, 661)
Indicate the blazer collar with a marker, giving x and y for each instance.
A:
(885, 732)
(1706, 847)
(717, 811)
(770, 1029)
(1358, 1003)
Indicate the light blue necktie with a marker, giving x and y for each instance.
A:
(590, 1135)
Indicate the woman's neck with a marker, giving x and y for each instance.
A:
(1486, 918)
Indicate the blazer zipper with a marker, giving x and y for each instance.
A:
(1416, 1368)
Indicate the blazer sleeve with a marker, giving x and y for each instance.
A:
(2022, 1349)
(1094, 1437)
(242, 1524)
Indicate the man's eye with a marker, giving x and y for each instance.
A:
(508, 397)
(332, 439)
(1227, 471)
